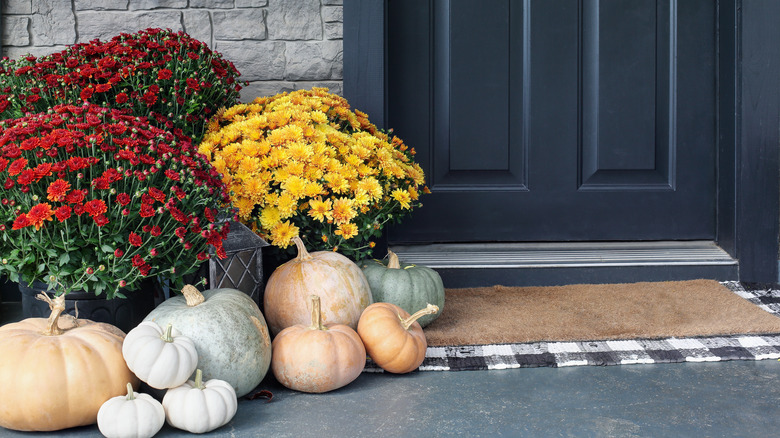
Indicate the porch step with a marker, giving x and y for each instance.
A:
(526, 264)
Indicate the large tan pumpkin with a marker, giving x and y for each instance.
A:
(56, 374)
(339, 282)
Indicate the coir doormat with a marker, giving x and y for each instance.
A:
(747, 341)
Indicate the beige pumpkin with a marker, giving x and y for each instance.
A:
(339, 282)
(57, 374)
(317, 358)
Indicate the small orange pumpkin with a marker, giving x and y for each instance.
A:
(317, 358)
(337, 280)
(54, 376)
(394, 339)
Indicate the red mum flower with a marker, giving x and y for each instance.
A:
(157, 194)
(21, 221)
(164, 74)
(3, 164)
(17, 166)
(178, 215)
(100, 220)
(42, 170)
(121, 98)
(192, 55)
(75, 196)
(26, 177)
(155, 231)
(95, 207)
(149, 98)
(123, 199)
(39, 214)
(146, 210)
(135, 239)
(57, 190)
(180, 232)
(8, 183)
(100, 183)
(118, 253)
(86, 93)
(63, 213)
(172, 175)
(102, 88)
(202, 256)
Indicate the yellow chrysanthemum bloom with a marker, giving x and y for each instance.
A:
(244, 206)
(283, 233)
(343, 210)
(320, 210)
(347, 231)
(269, 217)
(403, 197)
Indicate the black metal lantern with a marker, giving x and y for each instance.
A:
(242, 269)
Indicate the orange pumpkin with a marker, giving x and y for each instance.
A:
(394, 339)
(317, 358)
(55, 374)
(337, 280)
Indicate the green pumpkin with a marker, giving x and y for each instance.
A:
(229, 332)
(411, 287)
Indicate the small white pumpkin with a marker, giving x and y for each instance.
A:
(199, 407)
(134, 415)
(161, 358)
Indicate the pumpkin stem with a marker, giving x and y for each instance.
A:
(166, 336)
(406, 323)
(199, 379)
(393, 262)
(57, 306)
(316, 315)
(303, 254)
(192, 295)
(130, 393)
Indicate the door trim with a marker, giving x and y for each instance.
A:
(748, 125)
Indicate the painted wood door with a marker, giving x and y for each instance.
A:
(556, 120)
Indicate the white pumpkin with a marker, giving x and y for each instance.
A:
(200, 407)
(134, 415)
(161, 358)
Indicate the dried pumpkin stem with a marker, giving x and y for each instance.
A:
(303, 254)
(57, 306)
(167, 334)
(130, 392)
(406, 323)
(192, 295)
(393, 262)
(316, 314)
(199, 379)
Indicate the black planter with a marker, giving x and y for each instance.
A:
(124, 313)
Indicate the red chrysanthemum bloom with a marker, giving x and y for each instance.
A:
(118, 253)
(123, 199)
(135, 239)
(149, 98)
(180, 232)
(75, 196)
(157, 194)
(3, 164)
(26, 177)
(102, 88)
(121, 98)
(164, 74)
(100, 220)
(86, 93)
(95, 207)
(172, 175)
(146, 210)
(155, 231)
(57, 190)
(39, 214)
(17, 166)
(21, 221)
(63, 213)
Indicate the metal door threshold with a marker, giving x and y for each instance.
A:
(483, 264)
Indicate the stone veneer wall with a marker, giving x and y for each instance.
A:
(277, 45)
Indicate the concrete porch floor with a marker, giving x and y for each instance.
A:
(715, 399)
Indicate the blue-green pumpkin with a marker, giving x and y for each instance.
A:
(411, 287)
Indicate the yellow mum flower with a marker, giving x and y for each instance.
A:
(320, 210)
(337, 182)
(361, 198)
(372, 187)
(283, 233)
(244, 206)
(403, 198)
(312, 189)
(319, 117)
(295, 186)
(343, 210)
(269, 217)
(347, 231)
(286, 205)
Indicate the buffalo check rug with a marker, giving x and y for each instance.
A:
(616, 352)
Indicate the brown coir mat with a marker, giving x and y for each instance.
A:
(499, 315)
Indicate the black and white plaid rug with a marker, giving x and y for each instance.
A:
(623, 352)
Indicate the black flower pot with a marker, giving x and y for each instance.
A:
(124, 313)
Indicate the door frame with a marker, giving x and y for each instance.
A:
(748, 118)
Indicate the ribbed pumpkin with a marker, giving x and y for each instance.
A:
(393, 338)
(55, 374)
(339, 282)
(317, 358)
(410, 287)
(228, 330)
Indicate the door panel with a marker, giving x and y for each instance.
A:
(556, 120)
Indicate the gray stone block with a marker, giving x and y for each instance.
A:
(251, 3)
(53, 23)
(212, 4)
(256, 60)
(15, 31)
(197, 24)
(239, 24)
(100, 5)
(332, 14)
(16, 6)
(292, 20)
(106, 25)
(138, 5)
(18, 52)
(314, 61)
(334, 31)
